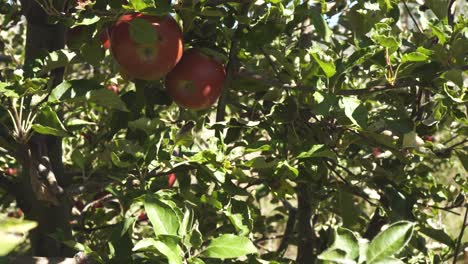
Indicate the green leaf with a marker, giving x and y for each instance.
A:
(355, 111)
(229, 246)
(79, 122)
(78, 158)
(92, 52)
(196, 261)
(187, 222)
(439, 33)
(105, 98)
(239, 220)
(439, 7)
(57, 59)
(48, 123)
(167, 247)
(163, 217)
(149, 126)
(345, 247)
(390, 241)
(285, 169)
(320, 24)
(325, 62)
(438, 235)
(86, 21)
(142, 4)
(86, 91)
(12, 231)
(142, 32)
(259, 163)
(412, 140)
(414, 57)
(213, 12)
(463, 157)
(118, 162)
(387, 41)
(317, 151)
(336, 256)
(255, 149)
(388, 260)
(6, 91)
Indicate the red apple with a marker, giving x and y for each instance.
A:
(100, 195)
(197, 81)
(376, 152)
(171, 178)
(104, 37)
(429, 138)
(147, 61)
(142, 217)
(79, 205)
(98, 205)
(113, 87)
(17, 214)
(11, 171)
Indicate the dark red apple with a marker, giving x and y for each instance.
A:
(376, 152)
(197, 81)
(171, 178)
(113, 87)
(147, 61)
(104, 37)
(11, 171)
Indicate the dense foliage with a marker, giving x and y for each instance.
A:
(340, 135)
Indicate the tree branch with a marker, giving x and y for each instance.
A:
(378, 88)
(289, 230)
(412, 17)
(231, 69)
(460, 237)
(306, 237)
(450, 15)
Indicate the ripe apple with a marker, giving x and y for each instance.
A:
(376, 152)
(147, 61)
(142, 217)
(16, 214)
(104, 37)
(113, 87)
(11, 171)
(429, 138)
(171, 178)
(79, 205)
(197, 81)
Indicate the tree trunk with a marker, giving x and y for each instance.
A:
(306, 236)
(43, 37)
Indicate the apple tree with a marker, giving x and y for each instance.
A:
(236, 131)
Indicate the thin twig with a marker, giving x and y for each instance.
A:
(460, 237)
(355, 192)
(231, 69)
(458, 144)
(412, 17)
(289, 230)
(447, 209)
(450, 15)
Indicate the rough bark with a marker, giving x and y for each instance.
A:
(305, 245)
(43, 37)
